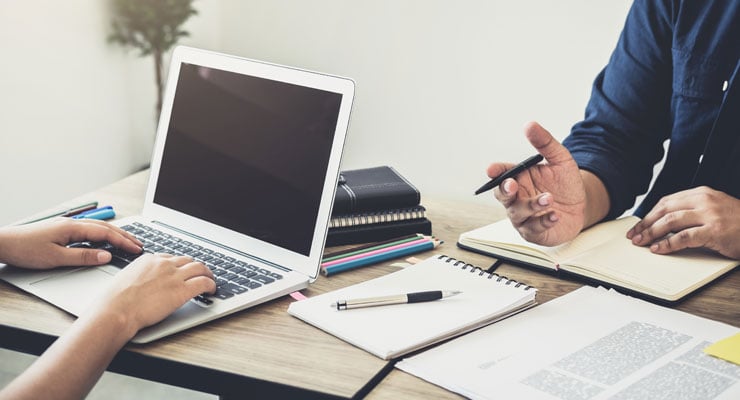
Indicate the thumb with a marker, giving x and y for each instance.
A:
(546, 144)
(80, 257)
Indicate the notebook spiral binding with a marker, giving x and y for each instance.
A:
(499, 278)
(377, 217)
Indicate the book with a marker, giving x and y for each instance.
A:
(374, 204)
(393, 330)
(377, 217)
(377, 232)
(373, 189)
(591, 343)
(603, 254)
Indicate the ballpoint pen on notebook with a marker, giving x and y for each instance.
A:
(416, 297)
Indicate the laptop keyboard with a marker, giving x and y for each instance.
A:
(233, 276)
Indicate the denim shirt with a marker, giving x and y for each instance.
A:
(673, 75)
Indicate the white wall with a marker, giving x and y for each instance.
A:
(443, 87)
(76, 113)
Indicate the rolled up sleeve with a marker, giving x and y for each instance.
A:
(627, 118)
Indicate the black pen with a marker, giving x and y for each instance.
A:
(530, 162)
(417, 297)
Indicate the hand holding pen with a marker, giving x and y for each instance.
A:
(546, 202)
(510, 173)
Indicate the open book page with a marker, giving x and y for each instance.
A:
(392, 330)
(571, 348)
(502, 235)
(669, 276)
(500, 238)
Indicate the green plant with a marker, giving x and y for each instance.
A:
(152, 27)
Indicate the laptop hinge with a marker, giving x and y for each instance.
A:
(212, 243)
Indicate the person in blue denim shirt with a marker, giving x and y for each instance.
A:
(674, 75)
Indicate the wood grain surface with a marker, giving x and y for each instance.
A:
(263, 348)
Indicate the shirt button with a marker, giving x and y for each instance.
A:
(724, 86)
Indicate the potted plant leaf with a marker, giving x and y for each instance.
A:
(152, 27)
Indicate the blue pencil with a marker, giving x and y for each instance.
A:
(380, 257)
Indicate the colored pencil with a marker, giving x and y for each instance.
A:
(362, 254)
(354, 250)
(426, 245)
(366, 249)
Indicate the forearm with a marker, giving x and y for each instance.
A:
(597, 199)
(72, 365)
(5, 238)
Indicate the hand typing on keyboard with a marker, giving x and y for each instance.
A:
(155, 285)
(148, 290)
(233, 276)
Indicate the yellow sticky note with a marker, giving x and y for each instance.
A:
(726, 349)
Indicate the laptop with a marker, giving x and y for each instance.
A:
(243, 174)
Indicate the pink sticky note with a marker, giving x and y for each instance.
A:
(298, 296)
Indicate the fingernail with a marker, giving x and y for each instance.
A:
(544, 200)
(630, 233)
(553, 217)
(654, 247)
(507, 186)
(637, 238)
(103, 256)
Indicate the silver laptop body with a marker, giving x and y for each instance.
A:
(245, 165)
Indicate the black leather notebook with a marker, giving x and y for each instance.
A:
(373, 189)
(377, 232)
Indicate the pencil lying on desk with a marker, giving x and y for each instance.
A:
(369, 252)
(370, 247)
(395, 252)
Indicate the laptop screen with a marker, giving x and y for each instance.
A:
(248, 154)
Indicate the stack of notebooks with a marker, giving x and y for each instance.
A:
(375, 204)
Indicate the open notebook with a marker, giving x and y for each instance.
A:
(602, 253)
(394, 330)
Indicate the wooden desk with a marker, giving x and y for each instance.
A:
(260, 352)
(265, 352)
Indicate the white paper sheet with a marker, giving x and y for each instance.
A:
(589, 344)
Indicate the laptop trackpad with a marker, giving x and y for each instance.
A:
(73, 291)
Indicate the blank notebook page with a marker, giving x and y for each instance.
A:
(389, 331)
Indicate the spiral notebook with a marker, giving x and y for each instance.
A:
(394, 330)
(378, 217)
